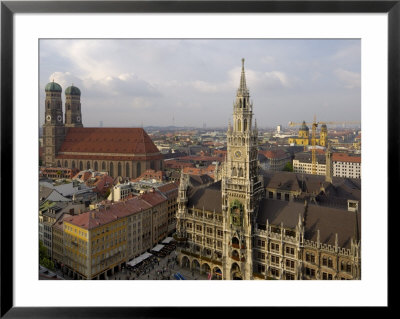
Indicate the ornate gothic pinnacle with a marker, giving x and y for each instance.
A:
(242, 88)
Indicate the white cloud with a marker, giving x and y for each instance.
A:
(349, 79)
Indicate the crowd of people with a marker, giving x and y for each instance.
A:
(143, 270)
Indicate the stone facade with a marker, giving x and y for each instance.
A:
(230, 230)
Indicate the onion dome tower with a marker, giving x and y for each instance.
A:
(323, 137)
(73, 116)
(304, 130)
(53, 128)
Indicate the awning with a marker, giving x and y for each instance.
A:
(139, 259)
(158, 247)
(167, 240)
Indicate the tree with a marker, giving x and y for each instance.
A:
(288, 167)
(44, 259)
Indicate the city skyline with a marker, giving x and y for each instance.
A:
(190, 82)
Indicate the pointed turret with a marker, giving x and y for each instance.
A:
(243, 91)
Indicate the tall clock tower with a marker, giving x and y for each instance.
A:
(53, 127)
(241, 187)
(73, 115)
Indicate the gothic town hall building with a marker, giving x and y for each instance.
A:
(230, 229)
(125, 152)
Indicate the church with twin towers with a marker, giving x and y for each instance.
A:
(238, 228)
(122, 152)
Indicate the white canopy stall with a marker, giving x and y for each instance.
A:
(167, 240)
(158, 247)
(139, 259)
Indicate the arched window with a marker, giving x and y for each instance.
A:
(96, 166)
(244, 103)
(66, 164)
(342, 266)
(111, 169)
(127, 173)
(324, 261)
(239, 125)
(152, 164)
(245, 125)
(234, 171)
(240, 172)
(103, 166)
(48, 105)
(88, 165)
(119, 169)
(235, 241)
(81, 166)
(58, 164)
(330, 262)
(73, 164)
(240, 103)
(138, 169)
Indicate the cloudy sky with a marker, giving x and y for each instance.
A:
(191, 82)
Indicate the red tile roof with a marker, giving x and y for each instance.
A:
(131, 141)
(342, 157)
(274, 154)
(95, 218)
(153, 198)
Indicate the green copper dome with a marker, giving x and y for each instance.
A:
(304, 127)
(53, 87)
(72, 90)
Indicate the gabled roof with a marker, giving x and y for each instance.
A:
(208, 197)
(329, 221)
(108, 140)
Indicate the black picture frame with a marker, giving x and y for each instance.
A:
(9, 8)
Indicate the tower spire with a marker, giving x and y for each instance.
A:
(243, 87)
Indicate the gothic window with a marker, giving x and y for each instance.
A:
(324, 261)
(88, 165)
(234, 171)
(330, 262)
(58, 164)
(119, 169)
(235, 241)
(240, 172)
(103, 166)
(138, 169)
(65, 164)
(48, 105)
(245, 125)
(239, 125)
(96, 166)
(152, 164)
(111, 169)
(240, 103)
(81, 166)
(73, 164)
(127, 173)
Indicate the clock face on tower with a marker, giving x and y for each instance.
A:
(238, 154)
(48, 118)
